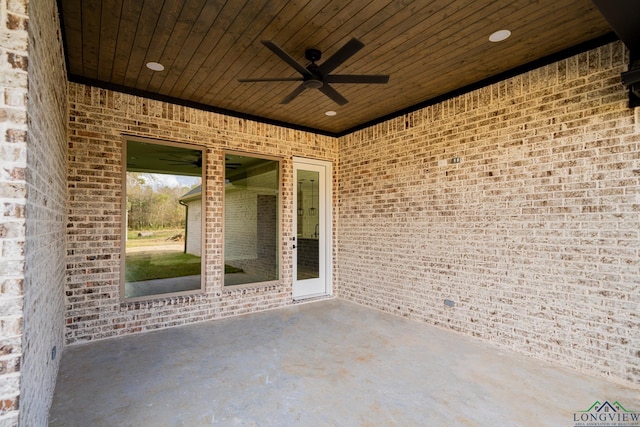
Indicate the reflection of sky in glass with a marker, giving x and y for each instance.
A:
(159, 180)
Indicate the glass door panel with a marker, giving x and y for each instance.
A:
(308, 230)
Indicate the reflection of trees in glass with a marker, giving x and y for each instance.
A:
(151, 205)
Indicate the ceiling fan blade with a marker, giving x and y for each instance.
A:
(333, 94)
(272, 79)
(344, 53)
(286, 57)
(357, 78)
(297, 91)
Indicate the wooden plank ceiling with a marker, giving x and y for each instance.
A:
(429, 48)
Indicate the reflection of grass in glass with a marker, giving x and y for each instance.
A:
(160, 265)
(164, 264)
(228, 269)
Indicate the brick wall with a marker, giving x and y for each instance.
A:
(534, 234)
(33, 195)
(98, 119)
(13, 191)
(44, 250)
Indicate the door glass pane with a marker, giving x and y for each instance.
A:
(250, 220)
(308, 229)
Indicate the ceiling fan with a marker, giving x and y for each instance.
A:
(316, 76)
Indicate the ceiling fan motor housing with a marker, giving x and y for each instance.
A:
(315, 80)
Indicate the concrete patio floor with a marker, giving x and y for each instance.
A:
(327, 363)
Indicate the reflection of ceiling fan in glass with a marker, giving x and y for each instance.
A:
(230, 165)
(192, 158)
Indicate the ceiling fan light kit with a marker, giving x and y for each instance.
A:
(315, 76)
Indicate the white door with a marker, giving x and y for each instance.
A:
(312, 229)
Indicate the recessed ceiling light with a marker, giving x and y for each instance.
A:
(155, 66)
(499, 35)
(331, 113)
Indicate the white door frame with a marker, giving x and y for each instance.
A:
(324, 284)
